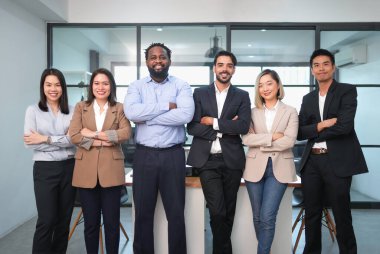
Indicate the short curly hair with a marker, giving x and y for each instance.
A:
(158, 44)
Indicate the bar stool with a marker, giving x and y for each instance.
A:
(327, 221)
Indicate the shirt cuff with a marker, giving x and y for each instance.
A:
(215, 124)
(112, 136)
(86, 143)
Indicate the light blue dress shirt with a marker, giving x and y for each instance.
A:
(55, 126)
(147, 105)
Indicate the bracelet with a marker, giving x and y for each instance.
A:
(96, 134)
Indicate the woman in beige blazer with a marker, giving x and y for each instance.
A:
(98, 127)
(269, 161)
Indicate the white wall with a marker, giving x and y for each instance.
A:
(23, 57)
(148, 11)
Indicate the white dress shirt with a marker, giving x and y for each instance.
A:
(270, 114)
(220, 100)
(322, 100)
(99, 117)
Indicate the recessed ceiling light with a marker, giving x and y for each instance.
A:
(251, 56)
(263, 30)
(249, 45)
(159, 29)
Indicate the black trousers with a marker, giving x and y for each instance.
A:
(319, 183)
(160, 170)
(54, 199)
(95, 202)
(220, 185)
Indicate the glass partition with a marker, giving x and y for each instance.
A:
(77, 51)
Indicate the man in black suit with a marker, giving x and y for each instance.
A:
(222, 113)
(332, 154)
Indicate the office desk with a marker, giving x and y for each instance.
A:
(243, 234)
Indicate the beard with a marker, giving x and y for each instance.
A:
(160, 75)
(223, 81)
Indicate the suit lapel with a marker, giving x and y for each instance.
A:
(89, 116)
(279, 114)
(315, 104)
(212, 99)
(110, 118)
(261, 121)
(329, 97)
(230, 96)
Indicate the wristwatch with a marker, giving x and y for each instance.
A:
(96, 134)
(48, 141)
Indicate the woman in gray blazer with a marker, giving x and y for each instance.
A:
(269, 161)
(46, 133)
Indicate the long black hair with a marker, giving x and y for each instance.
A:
(112, 97)
(63, 100)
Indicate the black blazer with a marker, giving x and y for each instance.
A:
(344, 152)
(237, 104)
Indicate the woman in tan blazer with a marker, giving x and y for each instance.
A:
(269, 161)
(98, 127)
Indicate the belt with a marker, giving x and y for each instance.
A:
(158, 148)
(319, 150)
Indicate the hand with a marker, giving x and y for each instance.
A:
(330, 122)
(87, 133)
(172, 105)
(326, 124)
(235, 118)
(277, 135)
(207, 120)
(34, 138)
(106, 143)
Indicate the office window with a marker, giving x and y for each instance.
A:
(79, 50)
(285, 51)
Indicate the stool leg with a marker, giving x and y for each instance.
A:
(125, 233)
(299, 235)
(101, 240)
(298, 218)
(75, 223)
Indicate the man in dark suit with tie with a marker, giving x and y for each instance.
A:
(222, 114)
(332, 154)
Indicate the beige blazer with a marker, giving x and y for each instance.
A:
(261, 146)
(105, 164)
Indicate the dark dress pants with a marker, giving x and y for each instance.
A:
(54, 199)
(95, 202)
(160, 170)
(220, 185)
(320, 183)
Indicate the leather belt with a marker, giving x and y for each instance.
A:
(319, 150)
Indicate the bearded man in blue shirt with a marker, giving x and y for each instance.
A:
(159, 105)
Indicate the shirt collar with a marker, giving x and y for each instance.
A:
(224, 91)
(97, 107)
(274, 108)
(168, 78)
